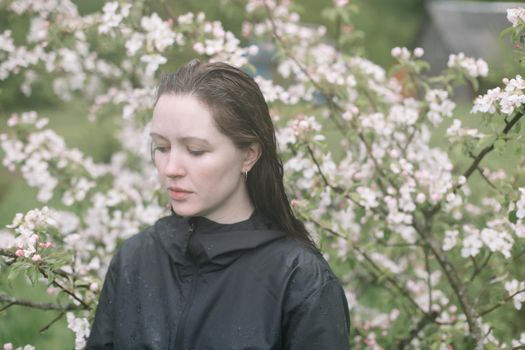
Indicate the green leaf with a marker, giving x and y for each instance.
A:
(33, 274)
(506, 31)
(58, 259)
(16, 268)
(513, 217)
(485, 141)
(499, 146)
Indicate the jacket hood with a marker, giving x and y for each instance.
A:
(211, 245)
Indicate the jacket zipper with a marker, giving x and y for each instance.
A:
(179, 337)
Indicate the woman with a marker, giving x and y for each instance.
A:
(231, 267)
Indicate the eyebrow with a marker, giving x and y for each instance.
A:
(183, 139)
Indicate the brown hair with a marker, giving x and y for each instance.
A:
(241, 113)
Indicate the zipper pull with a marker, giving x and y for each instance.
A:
(191, 227)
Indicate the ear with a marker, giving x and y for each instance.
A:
(251, 155)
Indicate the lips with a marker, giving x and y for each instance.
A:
(178, 193)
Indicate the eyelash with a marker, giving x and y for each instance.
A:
(165, 150)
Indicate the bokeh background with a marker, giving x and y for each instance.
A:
(440, 27)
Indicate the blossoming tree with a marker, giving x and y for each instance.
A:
(427, 259)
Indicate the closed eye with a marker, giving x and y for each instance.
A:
(195, 152)
(162, 149)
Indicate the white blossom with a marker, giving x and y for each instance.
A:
(112, 17)
(472, 243)
(158, 32)
(450, 239)
(134, 43)
(80, 326)
(456, 133)
(439, 105)
(152, 63)
(513, 287)
(520, 204)
(368, 198)
(472, 67)
(516, 16)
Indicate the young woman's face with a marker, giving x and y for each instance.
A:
(199, 167)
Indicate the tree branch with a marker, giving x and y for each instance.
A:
(329, 97)
(423, 322)
(35, 305)
(486, 178)
(455, 283)
(477, 160)
(480, 268)
(501, 303)
(46, 327)
(389, 278)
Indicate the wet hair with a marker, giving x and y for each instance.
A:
(241, 113)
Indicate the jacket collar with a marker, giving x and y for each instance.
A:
(211, 245)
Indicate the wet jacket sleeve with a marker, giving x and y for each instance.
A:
(320, 322)
(101, 335)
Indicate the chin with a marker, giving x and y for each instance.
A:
(183, 210)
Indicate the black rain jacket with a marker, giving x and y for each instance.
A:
(191, 283)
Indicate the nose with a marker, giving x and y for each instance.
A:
(174, 166)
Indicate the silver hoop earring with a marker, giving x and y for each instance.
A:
(245, 172)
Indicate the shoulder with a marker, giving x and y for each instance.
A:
(304, 260)
(307, 272)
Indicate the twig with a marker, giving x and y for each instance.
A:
(477, 160)
(486, 178)
(423, 322)
(46, 327)
(67, 291)
(169, 10)
(480, 268)
(35, 305)
(402, 290)
(8, 253)
(455, 283)
(429, 281)
(329, 98)
(336, 189)
(500, 303)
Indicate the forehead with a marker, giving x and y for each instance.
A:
(181, 116)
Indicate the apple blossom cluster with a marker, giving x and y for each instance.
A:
(517, 289)
(516, 16)
(80, 326)
(44, 7)
(291, 95)
(439, 106)
(520, 341)
(520, 204)
(9, 346)
(306, 127)
(221, 45)
(134, 101)
(473, 68)
(505, 101)
(45, 153)
(494, 237)
(403, 54)
(456, 133)
(31, 229)
(112, 15)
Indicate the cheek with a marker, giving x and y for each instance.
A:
(159, 161)
(214, 174)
